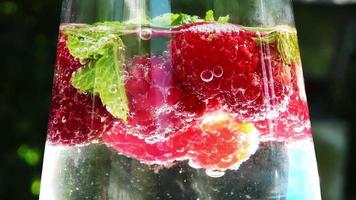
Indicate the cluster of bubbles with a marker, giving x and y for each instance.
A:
(209, 75)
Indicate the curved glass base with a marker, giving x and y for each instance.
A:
(277, 171)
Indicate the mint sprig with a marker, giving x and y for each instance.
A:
(170, 20)
(103, 75)
(285, 39)
(173, 19)
(209, 16)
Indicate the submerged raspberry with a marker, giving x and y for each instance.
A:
(165, 123)
(293, 123)
(223, 143)
(151, 152)
(75, 118)
(216, 143)
(160, 113)
(209, 104)
(158, 106)
(224, 60)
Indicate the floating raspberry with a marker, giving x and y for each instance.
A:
(75, 118)
(212, 59)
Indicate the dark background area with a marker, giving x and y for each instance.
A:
(327, 35)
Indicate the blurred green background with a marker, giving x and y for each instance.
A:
(327, 35)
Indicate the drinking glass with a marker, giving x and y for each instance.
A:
(178, 99)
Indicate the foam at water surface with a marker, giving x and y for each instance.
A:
(214, 28)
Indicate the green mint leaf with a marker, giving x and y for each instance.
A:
(287, 46)
(164, 20)
(285, 39)
(82, 43)
(109, 82)
(172, 19)
(106, 27)
(185, 19)
(269, 38)
(224, 19)
(83, 78)
(169, 20)
(209, 16)
(104, 73)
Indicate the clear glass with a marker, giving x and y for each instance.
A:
(205, 103)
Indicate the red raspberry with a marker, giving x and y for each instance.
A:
(157, 105)
(216, 143)
(224, 60)
(156, 152)
(164, 122)
(293, 123)
(75, 118)
(173, 111)
(159, 113)
(223, 143)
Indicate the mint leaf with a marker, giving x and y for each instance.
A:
(82, 42)
(106, 27)
(287, 46)
(109, 82)
(104, 73)
(171, 19)
(83, 78)
(224, 19)
(164, 20)
(286, 41)
(185, 19)
(209, 16)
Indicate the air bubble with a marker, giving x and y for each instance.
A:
(122, 49)
(211, 132)
(64, 119)
(214, 173)
(83, 61)
(215, 150)
(298, 129)
(150, 140)
(242, 111)
(180, 150)
(126, 74)
(146, 34)
(193, 165)
(218, 71)
(113, 89)
(207, 76)
(227, 159)
(165, 54)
